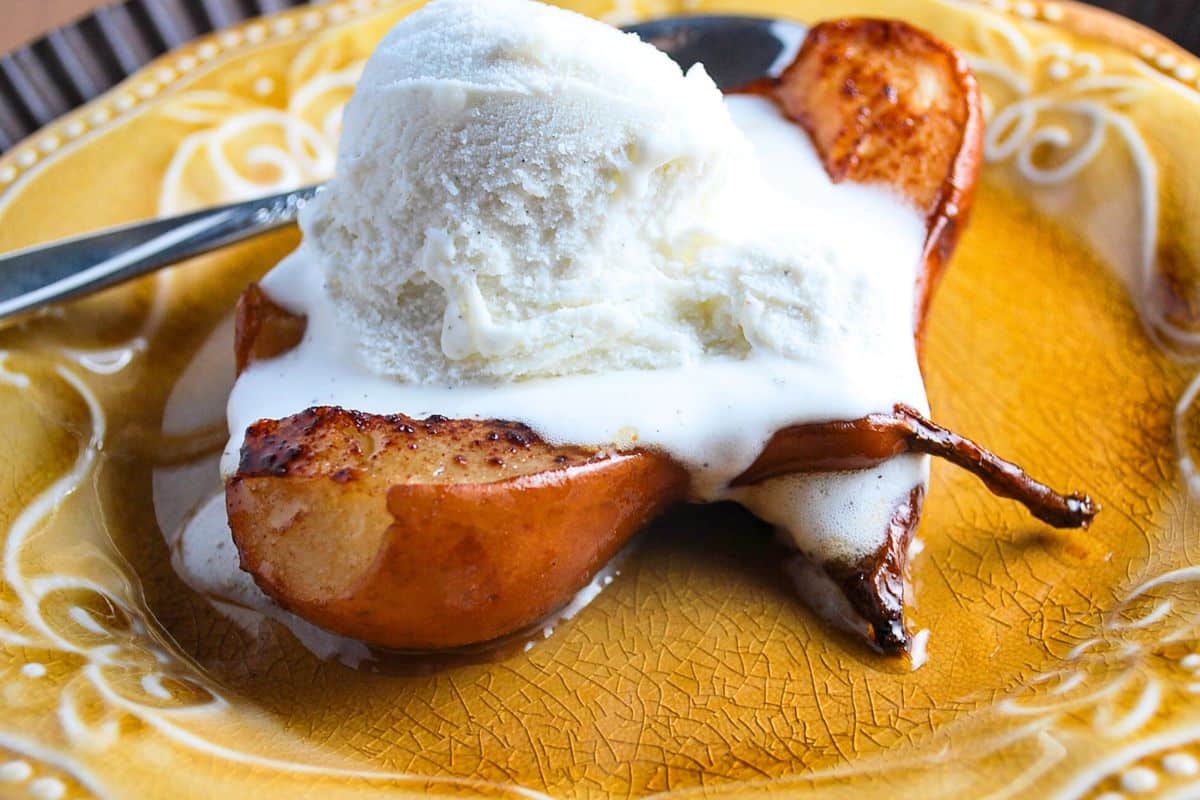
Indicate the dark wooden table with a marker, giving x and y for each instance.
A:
(1177, 19)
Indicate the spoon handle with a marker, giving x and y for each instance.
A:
(38, 276)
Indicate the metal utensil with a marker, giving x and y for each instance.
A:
(734, 50)
(38, 276)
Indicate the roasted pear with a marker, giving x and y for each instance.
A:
(436, 533)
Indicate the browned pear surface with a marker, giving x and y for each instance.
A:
(431, 533)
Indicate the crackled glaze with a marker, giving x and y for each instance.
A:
(1059, 666)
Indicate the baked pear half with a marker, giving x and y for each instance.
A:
(437, 533)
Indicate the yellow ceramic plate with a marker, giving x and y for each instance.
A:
(1060, 665)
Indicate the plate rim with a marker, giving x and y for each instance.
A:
(168, 72)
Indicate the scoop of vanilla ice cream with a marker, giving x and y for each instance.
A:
(522, 191)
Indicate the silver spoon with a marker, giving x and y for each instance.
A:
(734, 51)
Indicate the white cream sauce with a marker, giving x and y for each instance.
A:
(189, 504)
(714, 417)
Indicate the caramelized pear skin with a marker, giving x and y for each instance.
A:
(436, 533)
(869, 441)
(263, 328)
